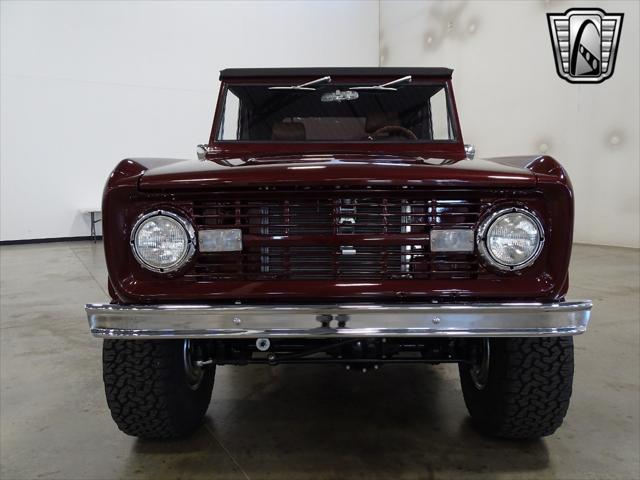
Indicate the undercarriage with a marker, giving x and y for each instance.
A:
(361, 354)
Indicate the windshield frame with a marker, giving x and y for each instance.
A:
(341, 144)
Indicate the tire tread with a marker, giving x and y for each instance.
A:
(143, 384)
(529, 394)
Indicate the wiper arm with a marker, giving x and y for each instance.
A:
(304, 86)
(385, 86)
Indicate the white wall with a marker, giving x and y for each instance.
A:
(85, 84)
(511, 100)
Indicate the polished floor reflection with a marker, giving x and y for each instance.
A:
(300, 422)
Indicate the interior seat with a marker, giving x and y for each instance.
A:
(288, 132)
(376, 120)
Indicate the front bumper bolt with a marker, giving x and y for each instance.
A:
(342, 320)
(324, 320)
(263, 344)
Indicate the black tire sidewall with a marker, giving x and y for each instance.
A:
(187, 405)
(484, 405)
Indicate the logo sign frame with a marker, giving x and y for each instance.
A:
(585, 43)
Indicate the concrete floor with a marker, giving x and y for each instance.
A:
(306, 421)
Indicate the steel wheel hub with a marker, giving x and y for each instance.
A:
(480, 370)
(194, 374)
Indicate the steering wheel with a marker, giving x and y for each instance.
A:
(391, 129)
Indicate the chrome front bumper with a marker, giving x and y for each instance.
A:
(341, 320)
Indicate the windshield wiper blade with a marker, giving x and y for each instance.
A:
(304, 86)
(385, 86)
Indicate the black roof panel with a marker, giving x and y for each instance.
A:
(340, 71)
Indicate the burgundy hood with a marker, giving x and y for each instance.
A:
(346, 170)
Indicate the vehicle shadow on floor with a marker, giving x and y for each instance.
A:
(324, 422)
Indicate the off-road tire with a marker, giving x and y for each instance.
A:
(528, 388)
(147, 388)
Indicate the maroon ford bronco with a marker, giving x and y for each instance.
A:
(336, 216)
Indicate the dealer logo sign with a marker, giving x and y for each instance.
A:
(585, 43)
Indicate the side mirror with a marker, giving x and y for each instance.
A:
(470, 150)
(201, 151)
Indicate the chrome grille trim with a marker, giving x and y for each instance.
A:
(340, 235)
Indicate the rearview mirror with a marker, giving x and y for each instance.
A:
(339, 96)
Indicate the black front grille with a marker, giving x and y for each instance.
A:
(325, 263)
(336, 216)
(351, 236)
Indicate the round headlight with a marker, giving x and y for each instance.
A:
(511, 239)
(162, 241)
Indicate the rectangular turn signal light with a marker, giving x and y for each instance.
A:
(220, 240)
(454, 240)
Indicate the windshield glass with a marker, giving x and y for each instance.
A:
(336, 113)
